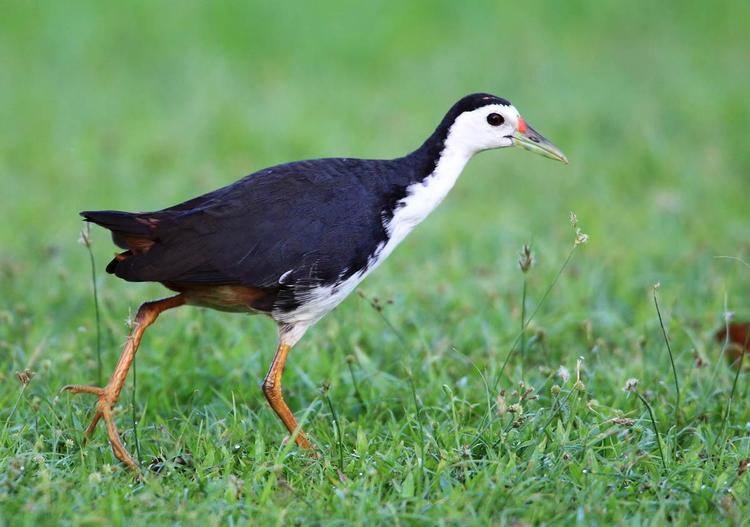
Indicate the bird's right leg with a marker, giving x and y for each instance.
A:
(147, 314)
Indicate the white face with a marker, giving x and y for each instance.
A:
(490, 126)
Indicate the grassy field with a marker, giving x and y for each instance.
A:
(140, 106)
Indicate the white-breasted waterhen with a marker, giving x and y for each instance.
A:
(292, 241)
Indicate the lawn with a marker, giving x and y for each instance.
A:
(417, 389)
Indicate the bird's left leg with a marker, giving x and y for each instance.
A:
(147, 314)
(288, 336)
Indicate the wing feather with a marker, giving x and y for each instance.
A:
(309, 221)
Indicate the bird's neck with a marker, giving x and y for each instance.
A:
(436, 165)
(442, 171)
(439, 152)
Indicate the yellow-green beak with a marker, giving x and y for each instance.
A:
(528, 138)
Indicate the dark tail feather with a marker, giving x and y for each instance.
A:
(112, 265)
(120, 222)
(134, 232)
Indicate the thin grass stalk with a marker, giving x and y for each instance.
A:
(132, 405)
(337, 428)
(390, 325)
(379, 310)
(656, 430)
(523, 317)
(418, 413)
(86, 239)
(734, 386)
(533, 313)
(357, 393)
(13, 410)
(671, 357)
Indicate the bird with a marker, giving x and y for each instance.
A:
(293, 240)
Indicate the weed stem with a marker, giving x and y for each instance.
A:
(86, 238)
(734, 385)
(533, 313)
(339, 438)
(671, 358)
(656, 430)
(132, 404)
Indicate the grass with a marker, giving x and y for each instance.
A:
(142, 106)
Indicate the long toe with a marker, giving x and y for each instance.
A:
(79, 388)
(106, 400)
(118, 448)
(92, 425)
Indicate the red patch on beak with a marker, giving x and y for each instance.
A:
(521, 125)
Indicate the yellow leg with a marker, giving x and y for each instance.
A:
(272, 391)
(108, 395)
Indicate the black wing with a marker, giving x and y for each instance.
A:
(310, 222)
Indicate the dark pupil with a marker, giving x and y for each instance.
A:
(495, 119)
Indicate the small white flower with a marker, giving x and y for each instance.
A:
(581, 237)
(573, 218)
(563, 373)
(631, 385)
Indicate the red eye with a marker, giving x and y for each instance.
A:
(495, 119)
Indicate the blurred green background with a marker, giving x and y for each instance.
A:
(137, 107)
(140, 105)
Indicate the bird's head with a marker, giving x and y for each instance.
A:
(482, 122)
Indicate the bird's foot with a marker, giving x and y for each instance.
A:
(107, 399)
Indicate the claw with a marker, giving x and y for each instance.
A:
(104, 410)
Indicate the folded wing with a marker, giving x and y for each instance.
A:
(304, 223)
